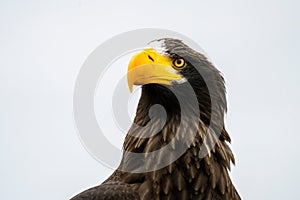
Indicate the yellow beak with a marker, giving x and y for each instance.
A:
(148, 66)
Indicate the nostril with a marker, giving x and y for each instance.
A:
(150, 58)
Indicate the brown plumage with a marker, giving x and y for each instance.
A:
(191, 176)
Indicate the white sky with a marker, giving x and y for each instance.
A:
(43, 45)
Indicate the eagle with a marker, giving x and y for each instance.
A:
(181, 110)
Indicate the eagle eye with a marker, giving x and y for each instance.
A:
(179, 63)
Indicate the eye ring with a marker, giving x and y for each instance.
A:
(179, 63)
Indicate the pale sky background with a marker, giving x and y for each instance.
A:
(44, 43)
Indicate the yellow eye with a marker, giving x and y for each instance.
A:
(179, 63)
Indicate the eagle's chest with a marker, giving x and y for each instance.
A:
(183, 179)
